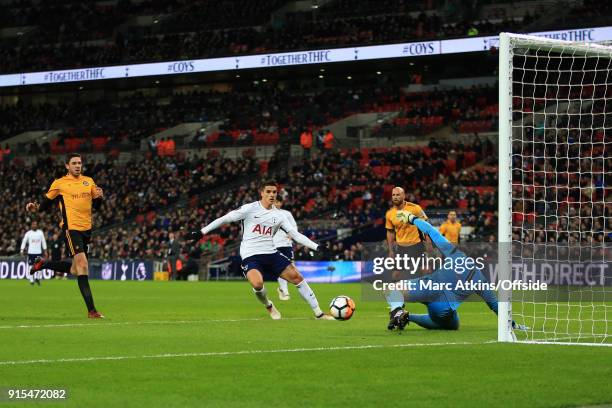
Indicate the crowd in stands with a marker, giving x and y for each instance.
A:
(249, 117)
(333, 189)
(471, 110)
(72, 34)
(343, 187)
(130, 193)
(561, 158)
(346, 188)
(561, 194)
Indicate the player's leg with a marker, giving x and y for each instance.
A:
(418, 292)
(78, 242)
(59, 266)
(283, 287)
(31, 270)
(253, 266)
(291, 274)
(440, 317)
(80, 265)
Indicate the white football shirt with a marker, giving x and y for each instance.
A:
(35, 241)
(258, 229)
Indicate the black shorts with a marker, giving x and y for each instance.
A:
(413, 251)
(269, 265)
(32, 257)
(287, 252)
(77, 241)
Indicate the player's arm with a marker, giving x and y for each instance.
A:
(390, 234)
(490, 298)
(427, 240)
(23, 243)
(297, 236)
(291, 221)
(443, 244)
(97, 195)
(391, 242)
(458, 233)
(300, 238)
(232, 216)
(47, 199)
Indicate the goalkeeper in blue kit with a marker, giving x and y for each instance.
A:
(442, 304)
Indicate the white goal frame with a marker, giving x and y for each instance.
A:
(507, 44)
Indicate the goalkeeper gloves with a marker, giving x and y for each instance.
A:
(405, 217)
(194, 236)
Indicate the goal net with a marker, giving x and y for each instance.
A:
(555, 190)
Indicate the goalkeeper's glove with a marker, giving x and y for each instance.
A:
(406, 217)
(194, 236)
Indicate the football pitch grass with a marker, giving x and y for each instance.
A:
(207, 344)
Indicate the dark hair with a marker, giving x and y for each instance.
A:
(279, 199)
(71, 156)
(264, 183)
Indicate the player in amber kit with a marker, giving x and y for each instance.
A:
(403, 238)
(75, 195)
(451, 229)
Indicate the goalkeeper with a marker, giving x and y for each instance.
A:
(441, 305)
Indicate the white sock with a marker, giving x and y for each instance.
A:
(30, 274)
(282, 285)
(309, 296)
(262, 296)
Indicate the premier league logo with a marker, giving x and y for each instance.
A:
(107, 271)
(141, 272)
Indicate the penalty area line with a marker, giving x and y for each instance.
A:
(234, 353)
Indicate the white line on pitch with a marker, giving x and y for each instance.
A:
(235, 353)
(100, 324)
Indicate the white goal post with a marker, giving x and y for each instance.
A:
(555, 190)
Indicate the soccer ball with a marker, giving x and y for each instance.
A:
(342, 307)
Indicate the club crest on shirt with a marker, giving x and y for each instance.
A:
(85, 183)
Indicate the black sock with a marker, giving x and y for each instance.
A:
(86, 292)
(58, 266)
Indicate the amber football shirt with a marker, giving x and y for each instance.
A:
(450, 231)
(75, 195)
(405, 234)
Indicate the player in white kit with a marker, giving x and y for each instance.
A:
(284, 245)
(34, 239)
(260, 221)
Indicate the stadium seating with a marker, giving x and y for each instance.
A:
(186, 30)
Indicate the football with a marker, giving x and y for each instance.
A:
(342, 307)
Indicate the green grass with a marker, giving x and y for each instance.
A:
(417, 368)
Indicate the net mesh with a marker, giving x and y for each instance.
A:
(561, 190)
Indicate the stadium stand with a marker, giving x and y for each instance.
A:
(115, 32)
